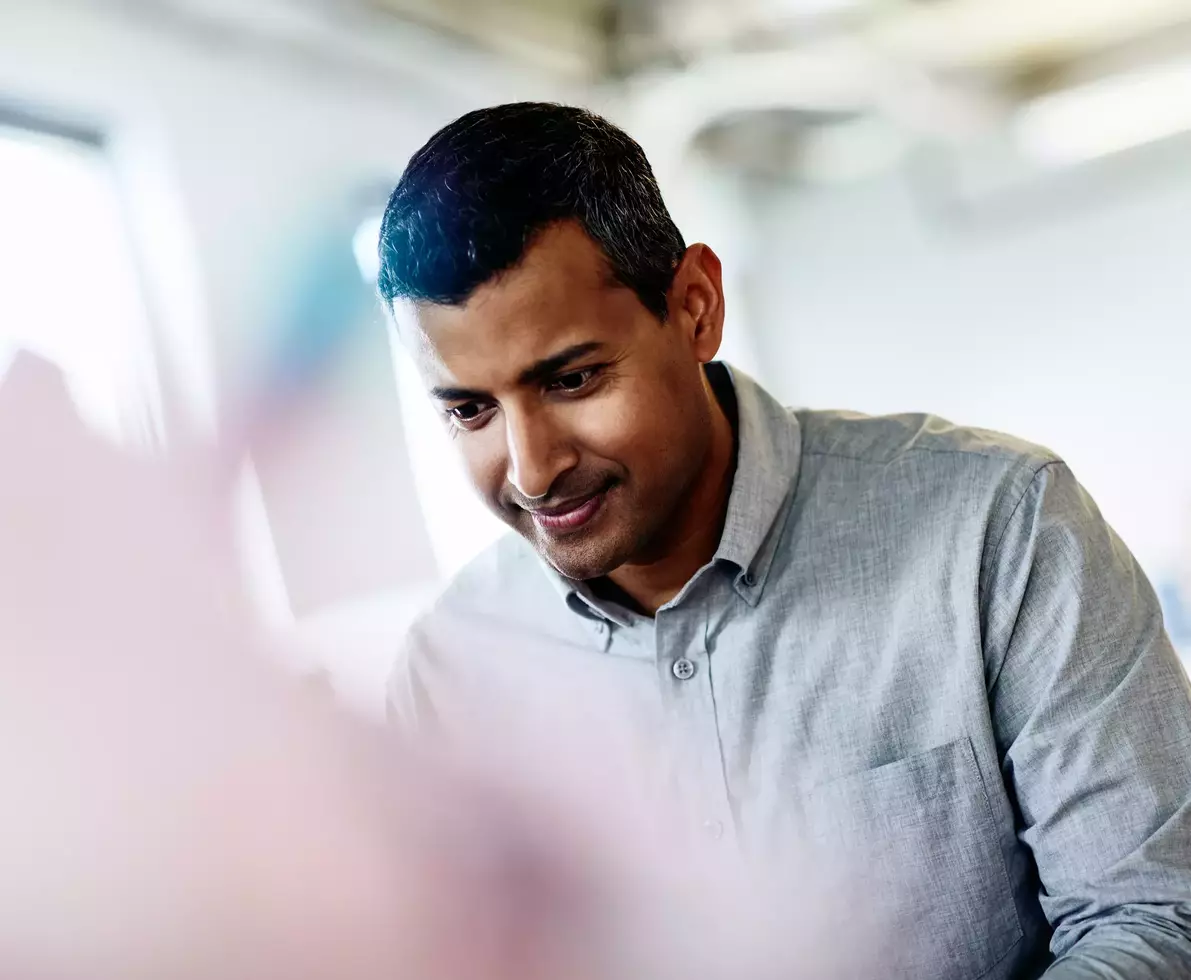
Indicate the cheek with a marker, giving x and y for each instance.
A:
(484, 459)
(631, 427)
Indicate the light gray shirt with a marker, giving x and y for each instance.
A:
(924, 643)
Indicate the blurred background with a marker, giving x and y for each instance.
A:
(977, 208)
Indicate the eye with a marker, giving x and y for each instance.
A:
(573, 381)
(470, 415)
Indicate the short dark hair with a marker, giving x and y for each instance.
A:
(473, 199)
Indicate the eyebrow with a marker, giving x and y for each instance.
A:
(535, 374)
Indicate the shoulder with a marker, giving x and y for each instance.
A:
(503, 608)
(916, 468)
(502, 580)
(505, 592)
(505, 582)
(914, 439)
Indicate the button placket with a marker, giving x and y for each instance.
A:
(681, 645)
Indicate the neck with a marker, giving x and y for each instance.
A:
(696, 531)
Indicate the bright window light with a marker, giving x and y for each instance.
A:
(71, 293)
(1107, 116)
(365, 247)
(459, 525)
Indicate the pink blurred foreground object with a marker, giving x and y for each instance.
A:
(174, 806)
(171, 807)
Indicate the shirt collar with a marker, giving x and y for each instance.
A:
(768, 453)
(769, 449)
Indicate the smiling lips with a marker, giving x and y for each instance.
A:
(569, 517)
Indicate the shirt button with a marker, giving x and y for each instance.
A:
(715, 829)
(683, 669)
(750, 580)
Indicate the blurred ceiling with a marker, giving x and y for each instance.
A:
(951, 34)
(572, 36)
(830, 89)
(816, 88)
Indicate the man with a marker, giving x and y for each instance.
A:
(919, 642)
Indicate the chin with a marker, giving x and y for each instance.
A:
(574, 570)
(581, 562)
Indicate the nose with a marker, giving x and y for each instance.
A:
(538, 454)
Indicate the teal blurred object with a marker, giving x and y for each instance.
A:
(320, 418)
(1176, 608)
(325, 303)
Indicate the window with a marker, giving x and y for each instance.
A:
(71, 292)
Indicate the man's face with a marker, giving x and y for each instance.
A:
(584, 422)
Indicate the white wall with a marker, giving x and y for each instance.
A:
(1069, 327)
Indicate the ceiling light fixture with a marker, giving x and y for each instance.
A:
(1107, 116)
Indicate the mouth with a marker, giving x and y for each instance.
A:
(570, 516)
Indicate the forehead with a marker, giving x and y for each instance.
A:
(562, 294)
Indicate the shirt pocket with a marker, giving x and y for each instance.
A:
(918, 844)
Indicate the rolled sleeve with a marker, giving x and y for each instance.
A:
(1092, 710)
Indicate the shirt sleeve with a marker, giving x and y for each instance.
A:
(1092, 710)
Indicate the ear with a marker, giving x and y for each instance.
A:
(696, 301)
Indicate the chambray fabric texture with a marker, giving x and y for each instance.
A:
(916, 642)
